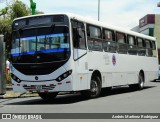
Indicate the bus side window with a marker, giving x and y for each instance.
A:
(141, 47)
(121, 43)
(154, 49)
(109, 44)
(78, 35)
(149, 52)
(132, 48)
(94, 38)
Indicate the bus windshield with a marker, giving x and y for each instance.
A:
(42, 44)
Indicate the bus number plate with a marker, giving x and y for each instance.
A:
(38, 87)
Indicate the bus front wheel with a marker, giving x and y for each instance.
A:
(48, 96)
(95, 88)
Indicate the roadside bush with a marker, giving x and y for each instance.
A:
(8, 78)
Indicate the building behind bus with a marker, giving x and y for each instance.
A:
(150, 25)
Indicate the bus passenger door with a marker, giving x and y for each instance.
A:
(79, 54)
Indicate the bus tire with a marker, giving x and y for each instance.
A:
(48, 96)
(95, 88)
(140, 84)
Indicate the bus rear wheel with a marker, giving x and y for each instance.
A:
(140, 84)
(48, 96)
(95, 88)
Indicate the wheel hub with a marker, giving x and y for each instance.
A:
(94, 87)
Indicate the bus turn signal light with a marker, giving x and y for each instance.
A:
(15, 78)
(64, 75)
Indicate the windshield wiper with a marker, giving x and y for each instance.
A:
(19, 44)
(51, 30)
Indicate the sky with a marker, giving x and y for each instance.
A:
(123, 13)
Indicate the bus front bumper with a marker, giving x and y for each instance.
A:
(46, 86)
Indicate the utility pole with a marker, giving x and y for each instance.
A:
(98, 10)
(158, 4)
(2, 66)
(33, 7)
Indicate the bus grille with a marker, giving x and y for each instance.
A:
(39, 87)
(38, 69)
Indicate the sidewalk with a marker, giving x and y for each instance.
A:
(11, 94)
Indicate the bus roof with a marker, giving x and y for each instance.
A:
(95, 22)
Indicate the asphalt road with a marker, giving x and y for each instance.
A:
(119, 100)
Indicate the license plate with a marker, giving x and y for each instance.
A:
(39, 87)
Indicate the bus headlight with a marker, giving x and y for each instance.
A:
(64, 75)
(15, 78)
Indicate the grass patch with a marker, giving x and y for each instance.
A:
(8, 78)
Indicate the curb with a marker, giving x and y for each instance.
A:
(12, 94)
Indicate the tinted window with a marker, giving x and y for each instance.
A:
(132, 48)
(109, 44)
(153, 45)
(108, 35)
(140, 42)
(154, 49)
(93, 32)
(121, 46)
(141, 48)
(131, 40)
(148, 44)
(120, 37)
(94, 38)
(148, 48)
(78, 35)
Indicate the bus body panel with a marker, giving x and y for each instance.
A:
(81, 76)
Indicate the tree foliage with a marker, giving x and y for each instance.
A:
(6, 30)
(18, 9)
(4, 11)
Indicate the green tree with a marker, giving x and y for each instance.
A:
(18, 9)
(5, 29)
(4, 11)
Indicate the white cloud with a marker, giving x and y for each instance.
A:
(126, 13)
